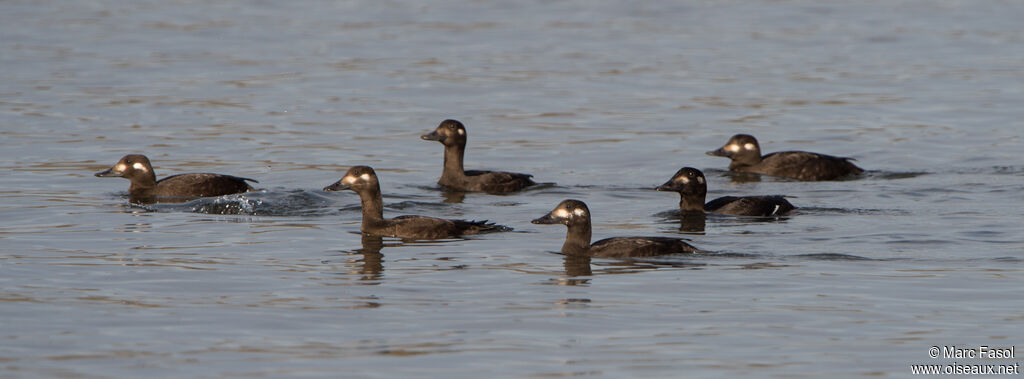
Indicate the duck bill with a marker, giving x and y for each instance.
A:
(719, 153)
(670, 185)
(547, 220)
(110, 172)
(432, 136)
(338, 186)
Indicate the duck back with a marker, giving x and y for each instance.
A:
(423, 227)
(624, 247)
(805, 166)
(493, 181)
(202, 184)
(760, 206)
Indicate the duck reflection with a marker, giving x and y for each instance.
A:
(577, 266)
(692, 222)
(453, 197)
(742, 177)
(372, 264)
(577, 271)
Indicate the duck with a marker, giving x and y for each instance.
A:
(575, 215)
(452, 134)
(745, 154)
(145, 188)
(363, 181)
(693, 189)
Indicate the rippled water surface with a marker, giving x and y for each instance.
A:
(604, 99)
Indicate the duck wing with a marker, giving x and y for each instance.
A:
(807, 166)
(423, 227)
(497, 181)
(761, 206)
(624, 247)
(202, 184)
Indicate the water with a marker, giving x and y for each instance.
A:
(606, 99)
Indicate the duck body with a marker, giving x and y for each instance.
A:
(801, 165)
(745, 155)
(452, 134)
(486, 181)
(757, 206)
(425, 228)
(575, 215)
(363, 180)
(691, 185)
(144, 185)
(625, 247)
(199, 184)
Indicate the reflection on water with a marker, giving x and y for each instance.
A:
(692, 222)
(577, 266)
(453, 197)
(832, 257)
(372, 264)
(747, 177)
(688, 222)
(136, 227)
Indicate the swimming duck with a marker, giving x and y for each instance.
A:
(145, 188)
(452, 134)
(745, 154)
(693, 189)
(363, 180)
(576, 217)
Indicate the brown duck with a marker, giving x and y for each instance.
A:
(452, 134)
(575, 215)
(693, 189)
(745, 154)
(363, 181)
(145, 188)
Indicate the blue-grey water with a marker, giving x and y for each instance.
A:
(606, 99)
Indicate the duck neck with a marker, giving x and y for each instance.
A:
(745, 159)
(577, 239)
(143, 185)
(692, 202)
(373, 207)
(453, 169)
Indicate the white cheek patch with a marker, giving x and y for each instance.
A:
(120, 167)
(561, 213)
(579, 212)
(733, 148)
(462, 132)
(348, 179)
(139, 166)
(700, 180)
(364, 177)
(748, 146)
(683, 179)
